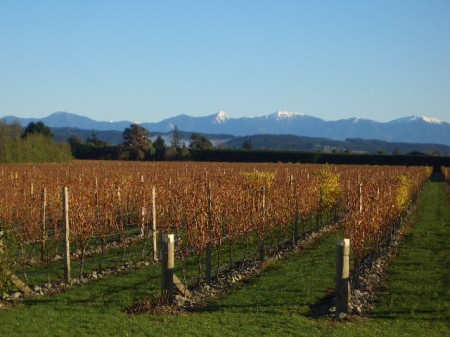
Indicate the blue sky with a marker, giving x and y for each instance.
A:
(148, 60)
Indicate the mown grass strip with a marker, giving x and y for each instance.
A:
(416, 300)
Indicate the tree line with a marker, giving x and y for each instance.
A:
(33, 143)
(137, 145)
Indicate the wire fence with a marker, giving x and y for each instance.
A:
(115, 252)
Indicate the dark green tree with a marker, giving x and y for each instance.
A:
(160, 147)
(176, 138)
(199, 142)
(39, 128)
(74, 140)
(95, 141)
(159, 143)
(247, 145)
(75, 143)
(396, 152)
(137, 144)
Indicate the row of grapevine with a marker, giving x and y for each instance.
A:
(446, 171)
(204, 204)
(376, 209)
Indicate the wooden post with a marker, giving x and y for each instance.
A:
(293, 190)
(14, 279)
(154, 232)
(18, 283)
(342, 276)
(262, 249)
(44, 229)
(65, 192)
(180, 287)
(296, 221)
(360, 197)
(119, 215)
(143, 232)
(168, 264)
(208, 245)
(97, 207)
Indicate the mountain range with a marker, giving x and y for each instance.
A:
(412, 129)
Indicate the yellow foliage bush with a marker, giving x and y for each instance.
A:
(330, 189)
(259, 179)
(403, 192)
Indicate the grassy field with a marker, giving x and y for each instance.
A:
(415, 301)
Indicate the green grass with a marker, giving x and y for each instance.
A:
(418, 296)
(414, 303)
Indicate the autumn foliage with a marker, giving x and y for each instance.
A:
(203, 203)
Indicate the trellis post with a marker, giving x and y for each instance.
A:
(262, 250)
(342, 276)
(208, 245)
(168, 264)
(65, 193)
(154, 232)
(44, 229)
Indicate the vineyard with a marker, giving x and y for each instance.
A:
(222, 215)
(446, 171)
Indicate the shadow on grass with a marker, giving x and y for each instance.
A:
(321, 308)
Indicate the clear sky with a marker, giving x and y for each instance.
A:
(147, 60)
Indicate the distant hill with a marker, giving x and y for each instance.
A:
(354, 145)
(271, 142)
(412, 129)
(111, 136)
(63, 119)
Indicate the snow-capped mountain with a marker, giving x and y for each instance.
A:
(415, 119)
(283, 115)
(412, 129)
(221, 117)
